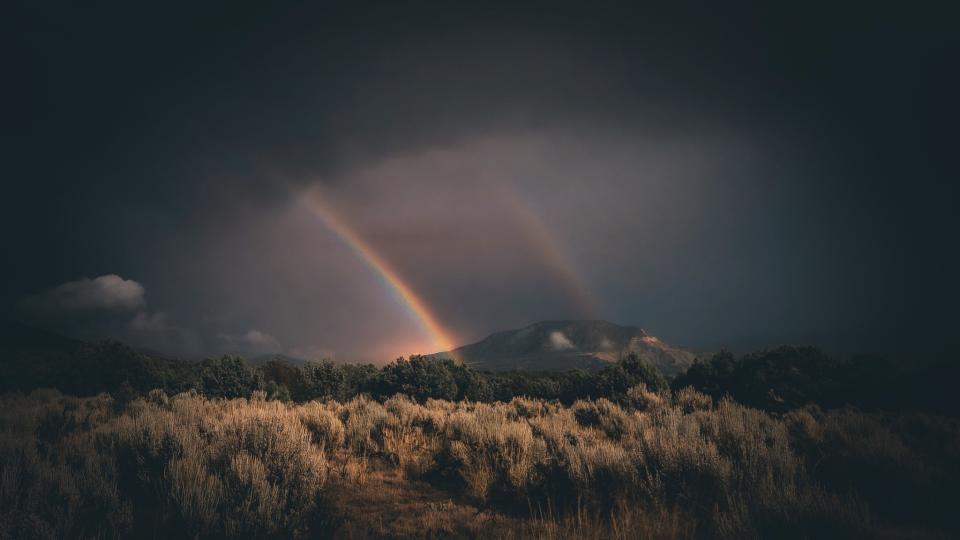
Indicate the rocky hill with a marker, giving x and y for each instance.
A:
(565, 345)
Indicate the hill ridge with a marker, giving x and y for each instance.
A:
(563, 344)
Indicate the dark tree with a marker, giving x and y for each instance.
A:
(229, 377)
(324, 380)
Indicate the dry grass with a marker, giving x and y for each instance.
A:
(668, 466)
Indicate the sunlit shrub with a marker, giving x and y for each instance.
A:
(602, 414)
(643, 399)
(189, 466)
(689, 400)
(364, 420)
(489, 452)
(324, 424)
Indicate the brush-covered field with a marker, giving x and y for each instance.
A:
(667, 465)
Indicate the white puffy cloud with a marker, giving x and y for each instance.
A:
(108, 293)
(560, 342)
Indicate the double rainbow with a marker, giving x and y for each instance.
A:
(534, 229)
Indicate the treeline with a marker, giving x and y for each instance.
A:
(86, 369)
(125, 373)
(421, 378)
(776, 380)
(787, 378)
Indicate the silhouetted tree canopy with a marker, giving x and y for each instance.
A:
(229, 377)
(775, 380)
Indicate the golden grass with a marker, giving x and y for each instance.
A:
(669, 466)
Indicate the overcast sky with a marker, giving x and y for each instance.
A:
(710, 172)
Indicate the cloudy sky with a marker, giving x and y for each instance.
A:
(206, 177)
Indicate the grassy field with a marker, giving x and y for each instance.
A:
(668, 466)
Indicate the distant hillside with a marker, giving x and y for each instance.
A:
(565, 345)
(24, 347)
(263, 359)
(31, 358)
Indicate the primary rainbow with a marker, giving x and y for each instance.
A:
(442, 340)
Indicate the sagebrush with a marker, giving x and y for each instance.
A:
(665, 465)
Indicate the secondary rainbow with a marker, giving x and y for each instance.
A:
(557, 260)
(442, 340)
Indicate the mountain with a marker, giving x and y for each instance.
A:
(565, 345)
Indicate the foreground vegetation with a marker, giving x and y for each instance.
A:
(661, 464)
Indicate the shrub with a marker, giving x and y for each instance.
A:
(689, 400)
(364, 420)
(642, 399)
(189, 466)
(491, 453)
(602, 414)
(326, 428)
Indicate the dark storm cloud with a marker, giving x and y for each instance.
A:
(107, 306)
(109, 293)
(695, 160)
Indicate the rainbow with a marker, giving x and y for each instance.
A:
(551, 252)
(442, 340)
